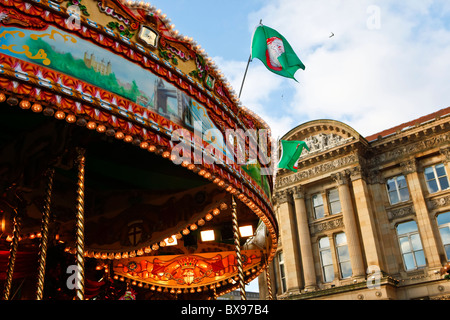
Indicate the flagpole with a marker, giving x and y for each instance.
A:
(245, 74)
(246, 69)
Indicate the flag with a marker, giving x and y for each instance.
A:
(291, 151)
(275, 52)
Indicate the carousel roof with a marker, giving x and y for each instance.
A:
(160, 127)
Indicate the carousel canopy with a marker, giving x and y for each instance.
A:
(169, 154)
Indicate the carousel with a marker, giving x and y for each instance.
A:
(119, 172)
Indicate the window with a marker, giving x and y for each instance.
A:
(397, 190)
(436, 178)
(282, 272)
(319, 211)
(345, 266)
(334, 202)
(326, 259)
(410, 245)
(444, 229)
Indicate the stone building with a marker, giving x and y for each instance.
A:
(365, 217)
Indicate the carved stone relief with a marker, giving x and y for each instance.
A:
(400, 212)
(439, 202)
(446, 153)
(341, 178)
(281, 196)
(410, 149)
(409, 166)
(323, 142)
(320, 169)
(327, 225)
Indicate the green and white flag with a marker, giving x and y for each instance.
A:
(275, 52)
(290, 153)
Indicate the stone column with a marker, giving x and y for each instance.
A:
(423, 217)
(377, 184)
(367, 223)
(288, 241)
(351, 230)
(309, 272)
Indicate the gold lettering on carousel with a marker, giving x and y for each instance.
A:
(13, 33)
(40, 55)
(51, 35)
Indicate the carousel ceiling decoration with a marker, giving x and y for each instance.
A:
(186, 271)
(94, 95)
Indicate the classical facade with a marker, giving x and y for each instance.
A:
(365, 217)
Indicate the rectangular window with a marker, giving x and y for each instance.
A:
(282, 272)
(326, 260)
(319, 211)
(411, 245)
(397, 190)
(334, 202)
(436, 178)
(444, 229)
(343, 255)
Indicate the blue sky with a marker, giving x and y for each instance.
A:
(388, 62)
(371, 77)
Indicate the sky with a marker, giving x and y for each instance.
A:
(387, 63)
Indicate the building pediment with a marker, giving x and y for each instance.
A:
(323, 133)
(327, 140)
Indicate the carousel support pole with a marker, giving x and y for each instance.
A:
(215, 293)
(13, 249)
(44, 232)
(269, 283)
(237, 244)
(81, 160)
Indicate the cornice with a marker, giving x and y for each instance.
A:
(413, 134)
(324, 168)
(404, 150)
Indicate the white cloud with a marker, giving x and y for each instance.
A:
(369, 79)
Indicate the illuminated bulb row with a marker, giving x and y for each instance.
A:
(201, 222)
(33, 235)
(70, 118)
(254, 272)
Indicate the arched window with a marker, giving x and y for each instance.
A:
(345, 267)
(397, 189)
(326, 259)
(411, 245)
(282, 272)
(444, 229)
(333, 201)
(436, 178)
(319, 211)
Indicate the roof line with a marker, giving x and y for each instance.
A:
(411, 123)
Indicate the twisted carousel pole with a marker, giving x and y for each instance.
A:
(81, 160)
(269, 282)
(13, 249)
(44, 233)
(237, 245)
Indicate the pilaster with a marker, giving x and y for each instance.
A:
(288, 239)
(410, 170)
(309, 272)
(351, 230)
(367, 223)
